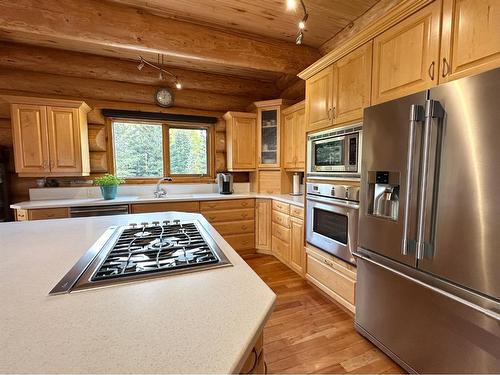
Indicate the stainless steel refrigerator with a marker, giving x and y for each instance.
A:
(428, 285)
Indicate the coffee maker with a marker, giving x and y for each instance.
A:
(225, 183)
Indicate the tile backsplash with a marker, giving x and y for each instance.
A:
(143, 190)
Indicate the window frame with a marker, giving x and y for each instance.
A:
(177, 178)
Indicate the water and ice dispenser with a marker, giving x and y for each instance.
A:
(383, 194)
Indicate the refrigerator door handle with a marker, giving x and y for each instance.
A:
(433, 109)
(416, 115)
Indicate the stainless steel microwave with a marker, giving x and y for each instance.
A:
(335, 153)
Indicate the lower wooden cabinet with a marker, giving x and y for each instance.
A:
(297, 252)
(42, 214)
(254, 363)
(263, 225)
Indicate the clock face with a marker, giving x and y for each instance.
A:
(164, 97)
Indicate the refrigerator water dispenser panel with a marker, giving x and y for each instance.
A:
(383, 194)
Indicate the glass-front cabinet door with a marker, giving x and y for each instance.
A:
(269, 138)
(269, 133)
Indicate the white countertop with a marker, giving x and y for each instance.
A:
(52, 203)
(204, 321)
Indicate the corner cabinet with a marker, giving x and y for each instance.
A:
(50, 137)
(405, 57)
(294, 134)
(241, 141)
(470, 41)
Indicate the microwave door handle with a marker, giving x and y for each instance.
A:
(416, 115)
(433, 109)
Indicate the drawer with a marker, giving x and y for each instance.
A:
(281, 207)
(281, 249)
(21, 215)
(281, 232)
(165, 206)
(229, 204)
(297, 212)
(335, 281)
(230, 215)
(49, 213)
(339, 265)
(244, 241)
(246, 226)
(281, 219)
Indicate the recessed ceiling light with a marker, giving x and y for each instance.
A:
(178, 85)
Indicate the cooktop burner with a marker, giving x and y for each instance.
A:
(141, 251)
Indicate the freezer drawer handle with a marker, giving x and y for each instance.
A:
(482, 310)
(416, 115)
(433, 109)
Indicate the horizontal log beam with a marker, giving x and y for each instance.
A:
(102, 25)
(32, 83)
(83, 65)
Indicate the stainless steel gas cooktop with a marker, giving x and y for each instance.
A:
(136, 252)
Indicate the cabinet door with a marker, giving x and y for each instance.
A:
(352, 84)
(300, 139)
(31, 146)
(289, 140)
(263, 224)
(405, 57)
(319, 100)
(471, 37)
(244, 143)
(64, 140)
(269, 137)
(297, 252)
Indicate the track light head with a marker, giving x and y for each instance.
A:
(291, 4)
(140, 66)
(299, 38)
(302, 25)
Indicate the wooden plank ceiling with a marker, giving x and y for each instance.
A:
(236, 51)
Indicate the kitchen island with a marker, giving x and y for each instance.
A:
(200, 322)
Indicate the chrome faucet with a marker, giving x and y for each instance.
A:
(159, 191)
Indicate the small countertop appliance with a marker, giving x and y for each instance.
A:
(225, 183)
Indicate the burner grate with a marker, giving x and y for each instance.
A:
(151, 249)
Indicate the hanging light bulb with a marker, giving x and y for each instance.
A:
(299, 38)
(302, 25)
(178, 85)
(291, 4)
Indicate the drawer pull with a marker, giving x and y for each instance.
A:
(244, 227)
(327, 262)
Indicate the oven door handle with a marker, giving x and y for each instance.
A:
(333, 201)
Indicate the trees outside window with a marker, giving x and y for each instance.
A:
(152, 150)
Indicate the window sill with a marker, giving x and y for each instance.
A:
(176, 180)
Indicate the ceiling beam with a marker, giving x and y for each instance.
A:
(33, 84)
(114, 28)
(82, 65)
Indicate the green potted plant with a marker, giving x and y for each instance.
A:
(109, 185)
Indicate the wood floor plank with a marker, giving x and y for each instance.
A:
(308, 333)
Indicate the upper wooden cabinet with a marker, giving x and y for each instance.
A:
(241, 141)
(50, 136)
(269, 133)
(294, 130)
(405, 57)
(352, 84)
(319, 99)
(470, 38)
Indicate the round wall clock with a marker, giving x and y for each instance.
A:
(164, 97)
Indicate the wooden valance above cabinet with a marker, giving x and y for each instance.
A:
(50, 136)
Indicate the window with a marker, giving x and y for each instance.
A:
(152, 150)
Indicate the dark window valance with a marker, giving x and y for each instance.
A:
(140, 115)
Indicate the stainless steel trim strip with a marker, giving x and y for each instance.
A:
(480, 309)
(433, 110)
(416, 115)
(86, 209)
(70, 279)
(334, 201)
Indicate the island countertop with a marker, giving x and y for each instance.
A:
(206, 321)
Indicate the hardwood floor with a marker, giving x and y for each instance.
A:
(308, 333)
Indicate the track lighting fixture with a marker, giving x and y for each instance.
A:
(162, 72)
(292, 5)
